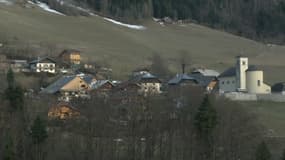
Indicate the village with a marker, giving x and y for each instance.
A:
(242, 82)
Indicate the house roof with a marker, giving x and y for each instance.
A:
(253, 68)
(148, 77)
(207, 72)
(57, 85)
(100, 83)
(203, 80)
(180, 78)
(38, 60)
(69, 51)
(228, 73)
(61, 82)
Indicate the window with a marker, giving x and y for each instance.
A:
(223, 82)
(228, 82)
(243, 63)
(258, 83)
(233, 82)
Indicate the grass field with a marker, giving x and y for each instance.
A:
(125, 49)
(270, 114)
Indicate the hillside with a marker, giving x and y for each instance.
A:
(125, 49)
(261, 20)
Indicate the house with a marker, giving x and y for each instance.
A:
(206, 72)
(148, 83)
(126, 88)
(183, 80)
(18, 65)
(70, 56)
(142, 84)
(206, 78)
(243, 78)
(45, 64)
(74, 86)
(278, 88)
(63, 111)
(103, 85)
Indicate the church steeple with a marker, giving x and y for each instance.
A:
(241, 67)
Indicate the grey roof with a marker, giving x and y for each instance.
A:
(100, 83)
(253, 68)
(56, 86)
(148, 76)
(207, 72)
(144, 78)
(203, 80)
(180, 78)
(41, 59)
(228, 73)
(87, 78)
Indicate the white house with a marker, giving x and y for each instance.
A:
(43, 65)
(243, 78)
(149, 84)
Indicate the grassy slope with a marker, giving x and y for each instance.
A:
(126, 49)
(271, 114)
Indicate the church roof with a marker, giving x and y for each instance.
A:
(228, 73)
(253, 68)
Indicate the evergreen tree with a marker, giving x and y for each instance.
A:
(10, 78)
(38, 131)
(206, 118)
(262, 152)
(14, 94)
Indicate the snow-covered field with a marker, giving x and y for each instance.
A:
(137, 27)
(45, 7)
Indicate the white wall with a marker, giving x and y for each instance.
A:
(255, 84)
(150, 88)
(46, 67)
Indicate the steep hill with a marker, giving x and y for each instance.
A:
(125, 48)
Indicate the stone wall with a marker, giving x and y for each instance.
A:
(236, 96)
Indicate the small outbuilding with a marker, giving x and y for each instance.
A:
(278, 88)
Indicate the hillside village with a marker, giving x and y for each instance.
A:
(78, 80)
(95, 79)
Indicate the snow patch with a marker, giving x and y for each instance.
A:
(6, 2)
(137, 27)
(45, 7)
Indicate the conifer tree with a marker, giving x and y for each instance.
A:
(38, 131)
(206, 118)
(262, 152)
(14, 94)
(10, 78)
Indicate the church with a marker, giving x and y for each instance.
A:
(243, 78)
